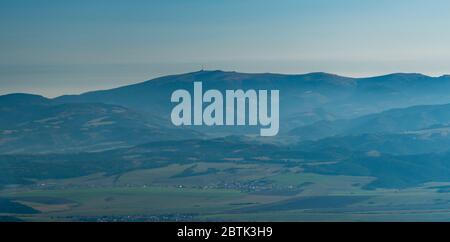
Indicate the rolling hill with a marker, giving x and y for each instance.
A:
(391, 121)
(304, 99)
(34, 124)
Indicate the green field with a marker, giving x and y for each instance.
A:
(224, 191)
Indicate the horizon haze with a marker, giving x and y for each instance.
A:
(53, 48)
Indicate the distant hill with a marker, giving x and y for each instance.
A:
(391, 171)
(34, 124)
(419, 142)
(301, 95)
(391, 121)
(304, 99)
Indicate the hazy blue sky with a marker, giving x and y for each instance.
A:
(53, 47)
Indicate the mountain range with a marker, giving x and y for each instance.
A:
(304, 99)
(394, 128)
(312, 106)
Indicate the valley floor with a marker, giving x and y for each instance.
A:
(222, 192)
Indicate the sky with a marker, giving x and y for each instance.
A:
(53, 47)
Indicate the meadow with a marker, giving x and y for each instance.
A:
(223, 191)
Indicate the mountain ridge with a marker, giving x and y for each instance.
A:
(304, 98)
(309, 74)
